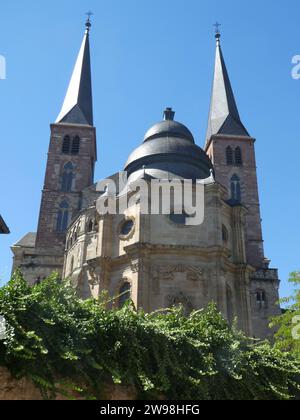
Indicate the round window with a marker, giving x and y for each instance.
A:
(127, 227)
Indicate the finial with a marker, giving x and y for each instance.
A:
(169, 114)
(88, 22)
(217, 31)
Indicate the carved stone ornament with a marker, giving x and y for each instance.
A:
(166, 273)
(94, 271)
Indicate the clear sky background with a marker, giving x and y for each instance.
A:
(146, 55)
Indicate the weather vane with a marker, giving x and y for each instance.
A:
(217, 26)
(88, 22)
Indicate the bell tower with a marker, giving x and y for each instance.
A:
(231, 149)
(71, 156)
(70, 169)
(232, 152)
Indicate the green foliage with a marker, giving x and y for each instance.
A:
(288, 325)
(55, 339)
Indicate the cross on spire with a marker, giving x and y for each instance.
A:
(218, 33)
(78, 103)
(88, 24)
(217, 27)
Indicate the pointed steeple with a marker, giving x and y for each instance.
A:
(78, 104)
(224, 116)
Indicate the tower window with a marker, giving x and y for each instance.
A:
(236, 194)
(66, 145)
(67, 178)
(238, 156)
(229, 156)
(261, 299)
(62, 217)
(76, 145)
(125, 294)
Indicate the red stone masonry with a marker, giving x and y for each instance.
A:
(52, 194)
(216, 149)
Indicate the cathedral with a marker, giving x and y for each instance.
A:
(156, 260)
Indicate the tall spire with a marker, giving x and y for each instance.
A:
(224, 116)
(78, 104)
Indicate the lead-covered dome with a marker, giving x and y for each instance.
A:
(169, 147)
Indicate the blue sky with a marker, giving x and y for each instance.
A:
(146, 55)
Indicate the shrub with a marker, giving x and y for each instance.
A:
(56, 339)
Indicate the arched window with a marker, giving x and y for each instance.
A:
(62, 217)
(238, 156)
(66, 145)
(124, 294)
(261, 298)
(76, 145)
(225, 235)
(67, 177)
(229, 156)
(235, 186)
(90, 226)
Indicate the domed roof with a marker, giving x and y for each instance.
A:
(170, 147)
(169, 128)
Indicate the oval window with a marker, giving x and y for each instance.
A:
(127, 227)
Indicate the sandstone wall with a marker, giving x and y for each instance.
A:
(12, 389)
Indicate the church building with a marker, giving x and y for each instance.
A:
(157, 260)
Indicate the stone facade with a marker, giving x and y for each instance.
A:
(155, 259)
(41, 254)
(264, 286)
(163, 262)
(246, 172)
(55, 191)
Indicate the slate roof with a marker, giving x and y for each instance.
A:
(224, 117)
(78, 104)
(3, 226)
(28, 241)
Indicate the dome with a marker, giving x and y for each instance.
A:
(169, 148)
(169, 128)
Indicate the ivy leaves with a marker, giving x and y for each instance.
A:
(63, 343)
